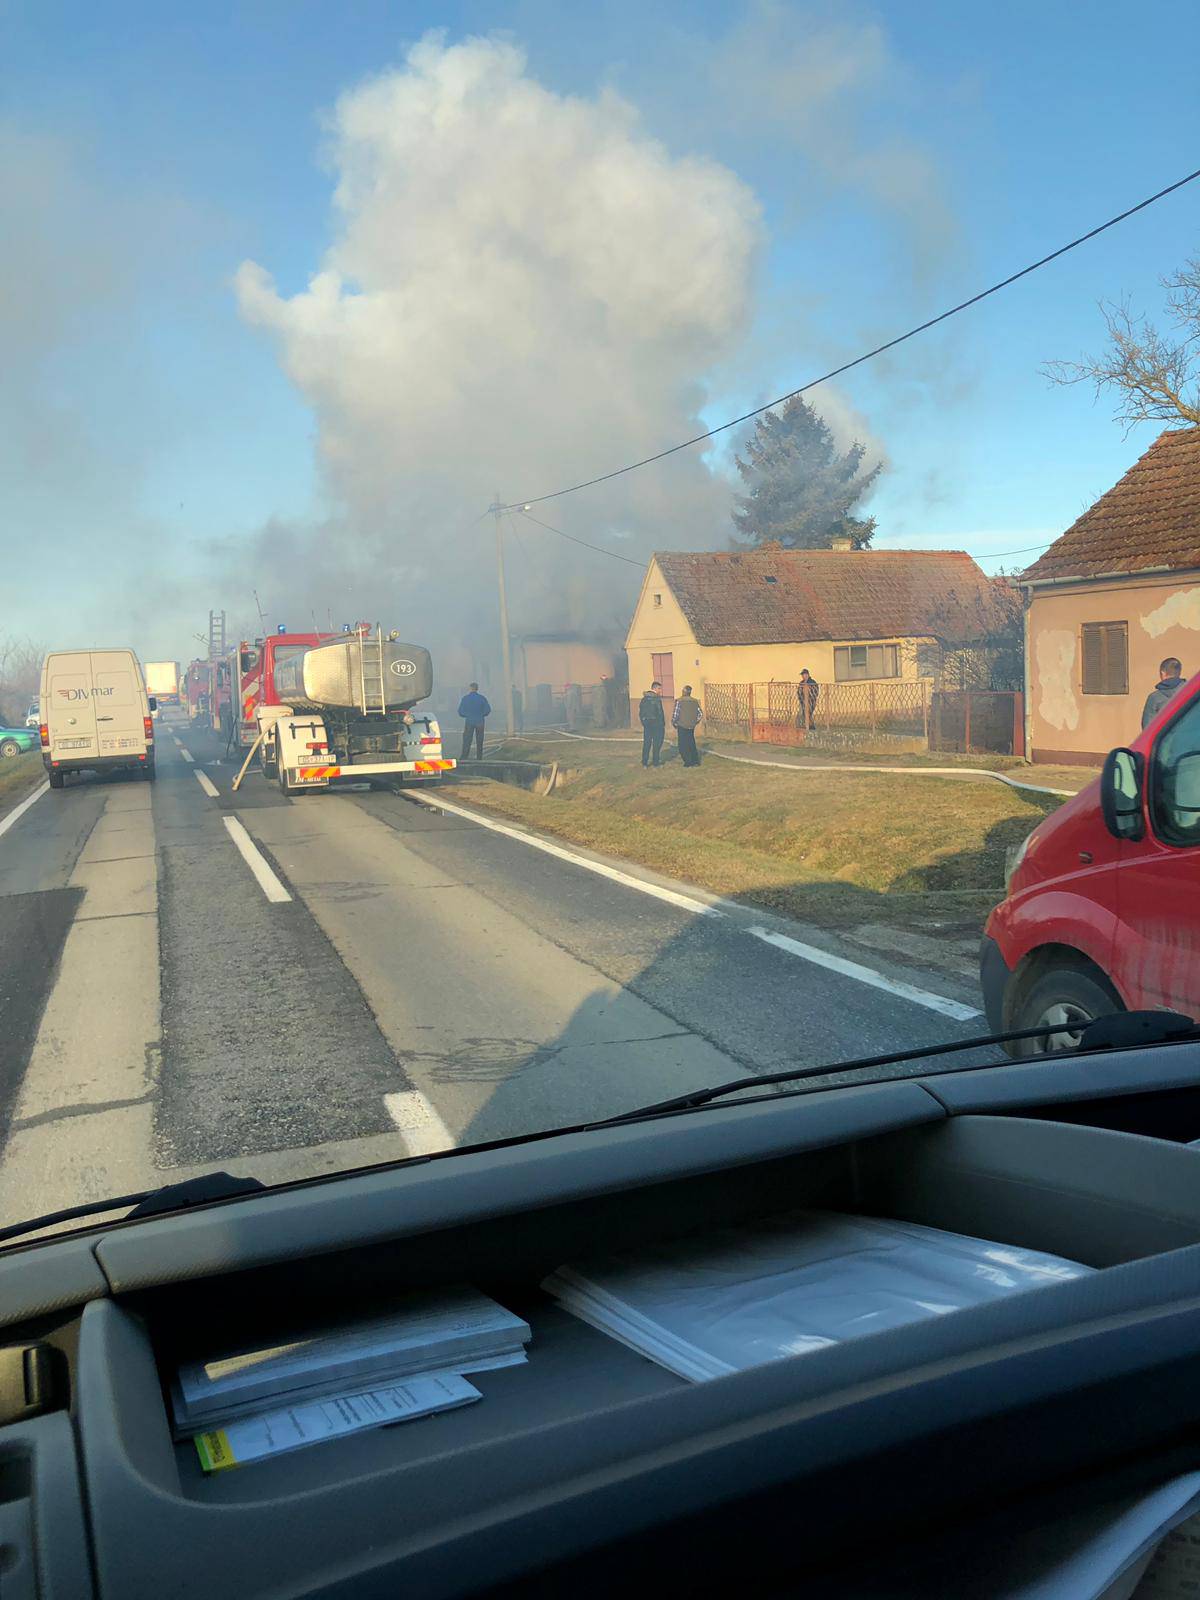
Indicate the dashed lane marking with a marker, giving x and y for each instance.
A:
(206, 783)
(256, 861)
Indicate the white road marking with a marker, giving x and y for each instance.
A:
(414, 1116)
(18, 812)
(256, 861)
(206, 783)
(186, 754)
(781, 941)
(868, 975)
(683, 901)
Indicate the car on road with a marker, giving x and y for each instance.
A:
(1102, 912)
(33, 715)
(97, 714)
(15, 741)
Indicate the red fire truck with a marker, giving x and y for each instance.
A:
(250, 671)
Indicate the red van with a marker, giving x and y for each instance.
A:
(1103, 906)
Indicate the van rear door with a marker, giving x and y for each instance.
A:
(68, 709)
(117, 695)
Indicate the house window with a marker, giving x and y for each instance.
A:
(658, 599)
(854, 661)
(1105, 658)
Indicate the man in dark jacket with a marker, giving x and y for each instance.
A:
(654, 724)
(1170, 678)
(686, 719)
(807, 691)
(474, 709)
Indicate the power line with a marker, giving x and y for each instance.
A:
(981, 555)
(600, 550)
(633, 466)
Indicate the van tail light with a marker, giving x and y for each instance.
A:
(148, 724)
(44, 735)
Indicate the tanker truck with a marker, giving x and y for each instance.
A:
(343, 707)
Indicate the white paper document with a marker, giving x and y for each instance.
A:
(715, 1303)
(444, 1330)
(293, 1427)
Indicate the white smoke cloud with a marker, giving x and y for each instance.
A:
(524, 289)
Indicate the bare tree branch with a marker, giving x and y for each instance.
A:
(1156, 376)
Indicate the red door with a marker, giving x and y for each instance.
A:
(1156, 956)
(663, 668)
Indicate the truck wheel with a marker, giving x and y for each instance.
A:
(149, 772)
(281, 772)
(55, 779)
(1067, 994)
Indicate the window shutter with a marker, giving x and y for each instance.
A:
(1105, 650)
(1116, 665)
(1093, 659)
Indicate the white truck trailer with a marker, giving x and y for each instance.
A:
(344, 709)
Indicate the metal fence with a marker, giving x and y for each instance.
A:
(899, 713)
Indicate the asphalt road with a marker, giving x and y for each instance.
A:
(193, 979)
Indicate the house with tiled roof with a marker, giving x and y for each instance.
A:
(762, 615)
(1116, 595)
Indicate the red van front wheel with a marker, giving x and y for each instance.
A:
(1064, 997)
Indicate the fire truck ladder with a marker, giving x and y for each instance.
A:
(371, 667)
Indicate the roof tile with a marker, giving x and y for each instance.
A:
(776, 596)
(1151, 518)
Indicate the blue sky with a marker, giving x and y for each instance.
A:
(193, 136)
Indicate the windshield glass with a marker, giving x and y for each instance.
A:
(731, 627)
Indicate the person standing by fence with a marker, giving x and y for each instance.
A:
(654, 724)
(686, 719)
(807, 692)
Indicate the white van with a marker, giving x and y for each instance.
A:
(95, 714)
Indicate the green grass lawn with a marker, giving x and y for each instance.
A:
(831, 847)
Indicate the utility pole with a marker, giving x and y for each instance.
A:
(497, 510)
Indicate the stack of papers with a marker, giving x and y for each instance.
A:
(713, 1304)
(370, 1366)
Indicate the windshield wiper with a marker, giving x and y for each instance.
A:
(1119, 1031)
(149, 1203)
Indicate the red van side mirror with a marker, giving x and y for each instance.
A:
(1122, 779)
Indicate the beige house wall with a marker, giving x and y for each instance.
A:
(1162, 614)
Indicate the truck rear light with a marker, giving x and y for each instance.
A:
(44, 735)
(430, 738)
(148, 724)
(316, 747)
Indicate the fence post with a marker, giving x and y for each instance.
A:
(925, 708)
(967, 721)
(1018, 737)
(871, 688)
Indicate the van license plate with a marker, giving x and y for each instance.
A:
(73, 744)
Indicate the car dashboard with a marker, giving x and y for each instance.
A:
(832, 1470)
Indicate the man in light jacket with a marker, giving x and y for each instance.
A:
(474, 709)
(686, 719)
